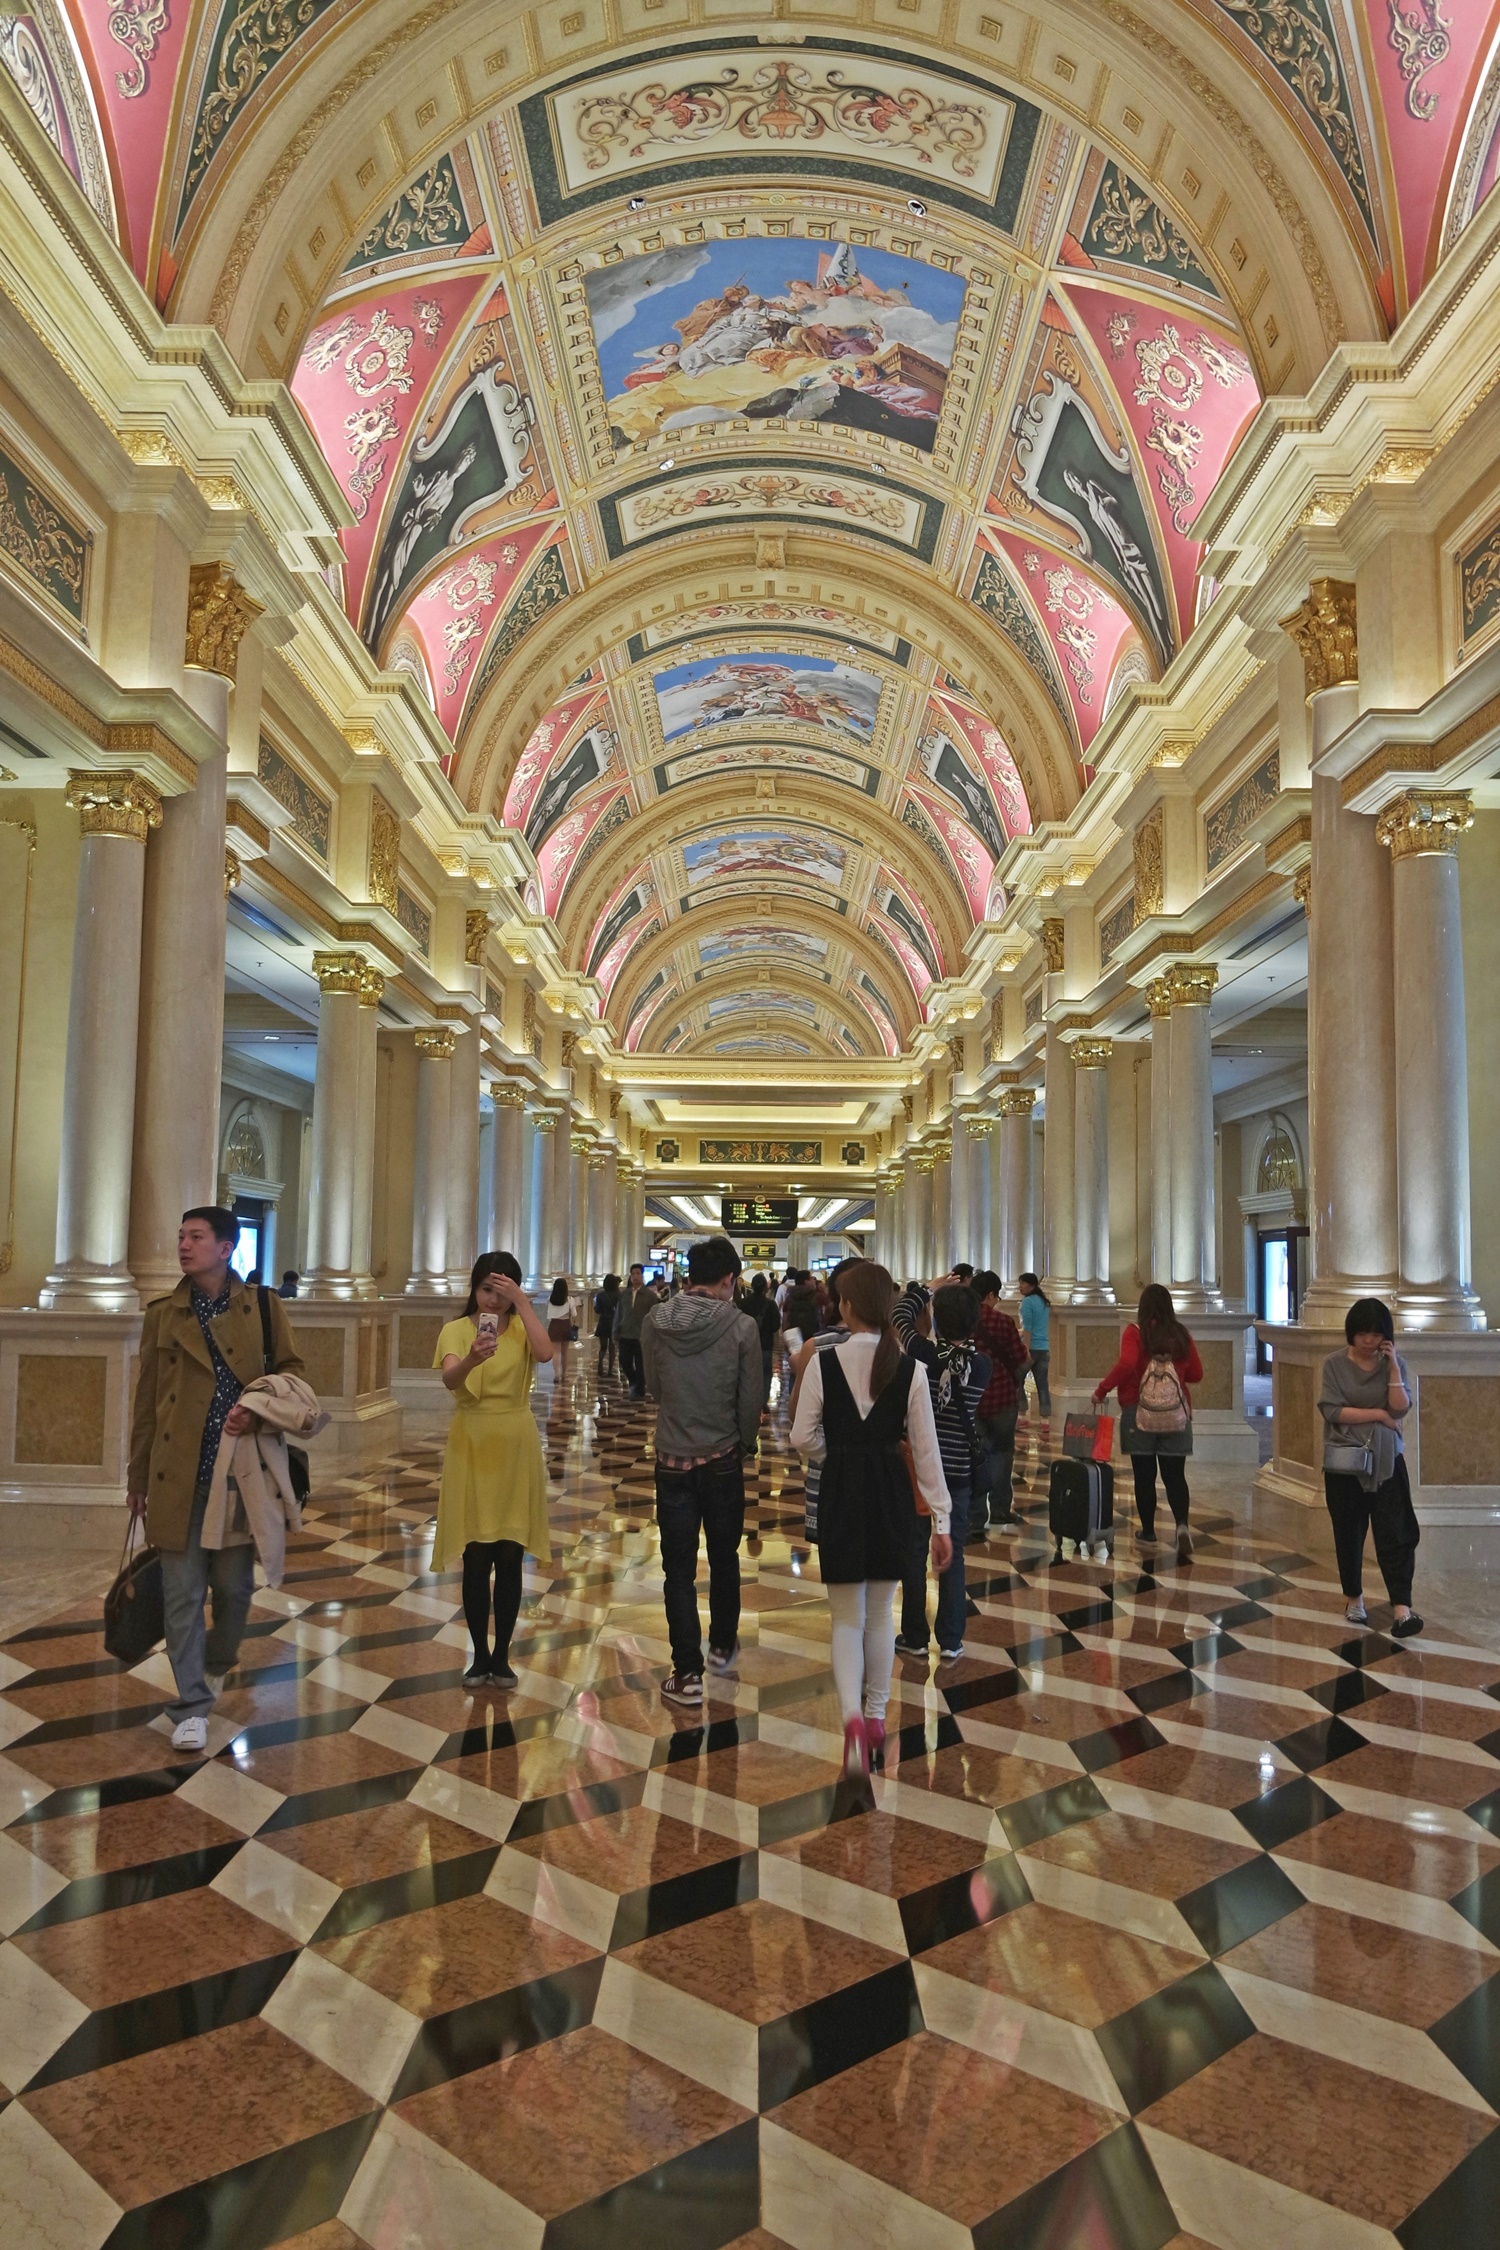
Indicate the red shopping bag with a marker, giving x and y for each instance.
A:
(1089, 1437)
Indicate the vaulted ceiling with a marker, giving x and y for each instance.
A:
(773, 442)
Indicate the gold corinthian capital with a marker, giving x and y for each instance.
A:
(219, 614)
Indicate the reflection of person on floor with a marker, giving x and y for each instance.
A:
(200, 1347)
(855, 1403)
(492, 1506)
(702, 1363)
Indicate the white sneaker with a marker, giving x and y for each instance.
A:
(190, 1734)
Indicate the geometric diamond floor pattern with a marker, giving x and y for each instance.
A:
(1172, 1918)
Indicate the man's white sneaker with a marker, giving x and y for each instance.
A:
(190, 1734)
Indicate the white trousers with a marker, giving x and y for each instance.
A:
(864, 1645)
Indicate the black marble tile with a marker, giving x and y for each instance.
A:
(697, 1742)
(685, 1898)
(160, 2019)
(1348, 1690)
(390, 1896)
(1286, 1810)
(346, 1797)
(989, 1687)
(1469, 2035)
(1233, 1907)
(816, 1808)
(538, 1815)
(51, 1632)
(1109, 2198)
(257, 2204)
(92, 1722)
(129, 1886)
(1320, 1743)
(936, 1730)
(1211, 1648)
(962, 1902)
(1486, 1810)
(1170, 2037)
(1489, 1743)
(495, 1734)
(776, 1694)
(1464, 2212)
(1085, 1619)
(1282, 1564)
(1236, 1613)
(1480, 1904)
(1035, 1648)
(1032, 1818)
(1160, 1695)
(486, 2031)
(124, 1789)
(700, 2200)
(1261, 1589)
(1130, 1739)
(833, 2034)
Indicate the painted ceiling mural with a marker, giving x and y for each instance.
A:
(654, 316)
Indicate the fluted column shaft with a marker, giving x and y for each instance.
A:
(463, 1158)
(1432, 1071)
(577, 1260)
(1159, 999)
(961, 1241)
(431, 1172)
(537, 1259)
(1058, 1171)
(98, 1122)
(337, 1135)
(372, 985)
(559, 1227)
(941, 1252)
(1016, 1247)
(507, 1172)
(1194, 1242)
(1091, 1171)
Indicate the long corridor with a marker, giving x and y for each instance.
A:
(1171, 1920)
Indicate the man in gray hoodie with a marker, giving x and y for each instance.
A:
(702, 1365)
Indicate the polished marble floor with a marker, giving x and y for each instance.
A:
(1172, 1919)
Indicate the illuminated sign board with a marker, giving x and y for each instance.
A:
(758, 1214)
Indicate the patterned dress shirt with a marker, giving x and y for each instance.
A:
(227, 1385)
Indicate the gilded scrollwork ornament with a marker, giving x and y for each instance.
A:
(219, 615)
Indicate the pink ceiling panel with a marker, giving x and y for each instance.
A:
(1187, 392)
(548, 737)
(361, 382)
(1000, 770)
(556, 859)
(971, 862)
(1085, 625)
(1428, 59)
(454, 611)
(133, 54)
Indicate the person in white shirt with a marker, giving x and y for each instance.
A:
(854, 1406)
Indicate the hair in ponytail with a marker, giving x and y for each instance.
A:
(870, 1293)
(1036, 1288)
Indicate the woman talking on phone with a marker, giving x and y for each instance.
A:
(1364, 1398)
(492, 1508)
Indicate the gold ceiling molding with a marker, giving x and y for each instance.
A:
(1421, 757)
(122, 741)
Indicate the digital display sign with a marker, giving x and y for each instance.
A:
(758, 1214)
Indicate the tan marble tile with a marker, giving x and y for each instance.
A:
(320, 1761)
(124, 1954)
(968, 1770)
(129, 1835)
(1177, 1772)
(627, 1850)
(1401, 1853)
(884, 1854)
(444, 1957)
(757, 1961)
(1373, 1966)
(1140, 1854)
(1409, 1773)
(362, 1847)
(759, 1773)
(1069, 1966)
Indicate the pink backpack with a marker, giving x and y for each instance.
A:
(1162, 1410)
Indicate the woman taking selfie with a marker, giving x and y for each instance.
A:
(492, 1508)
(1364, 1397)
(855, 1403)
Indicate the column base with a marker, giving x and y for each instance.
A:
(78, 1287)
(1329, 1297)
(1451, 1308)
(433, 1285)
(1195, 1299)
(330, 1288)
(1092, 1293)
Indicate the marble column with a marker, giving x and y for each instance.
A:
(1016, 1137)
(995, 1161)
(1159, 1000)
(1091, 1170)
(431, 1166)
(962, 1238)
(942, 1209)
(463, 1160)
(1422, 829)
(559, 1222)
(576, 1264)
(1058, 1172)
(981, 1217)
(371, 989)
(601, 1165)
(1195, 1277)
(507, 1171)
(92, 1271)
(539, 1198)
(918, 1198)
(1351, 1065)
(336, 1128)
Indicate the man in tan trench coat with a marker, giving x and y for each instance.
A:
(199, 1348)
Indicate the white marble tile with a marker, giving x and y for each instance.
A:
(424, 1605)
(36, 2015)
(412, 1737)
(452, 1636)
(1391, 2050)
(14, 1723)
(1378, 1902)
(1045, 2046)
(815, 2201)
(409, 2194)
(355, 2030)
(827, 1898)
(278, 1603)
(958, 1816)
(625, 1743)
(1259, 1691)
(702, 1808)
(1111, 1903)
(1422, 1745)
(310, 1639)
(12, 1669)
(348, 1550)
(49, 2201)
(267, 1883)
(381, 1574)
(1039, 1681)
(705, 2043)
(156, 1672)
(1236, 2209)
(19, 1791)
(1405, 1812)
(813, 1742)
(453, 1798)
(544, 1687)
(1187, 1813)
(26, 1884)
(350, 1679)
(553, 1895)
(1253, 1748)
(231, 1796)
(1044, 1749)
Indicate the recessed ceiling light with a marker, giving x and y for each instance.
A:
(669, 463)
(917, 208)
(636, 203)
(273, 1038)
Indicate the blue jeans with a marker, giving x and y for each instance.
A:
(228, 1574)
(951, 1600)
(710, 1499)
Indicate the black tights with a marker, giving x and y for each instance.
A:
(1173, 1466)
(503, 1556)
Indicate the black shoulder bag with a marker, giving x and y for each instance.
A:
(296, 1455)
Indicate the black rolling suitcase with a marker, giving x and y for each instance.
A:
(1081, 1507)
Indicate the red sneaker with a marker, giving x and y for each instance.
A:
(856, 1747)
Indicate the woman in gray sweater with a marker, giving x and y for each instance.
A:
(1364, 1397)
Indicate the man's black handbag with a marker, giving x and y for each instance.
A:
(296, 1456)
(134, 1619)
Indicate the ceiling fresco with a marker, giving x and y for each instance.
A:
(773, 460)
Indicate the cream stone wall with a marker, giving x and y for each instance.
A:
(41, 1015)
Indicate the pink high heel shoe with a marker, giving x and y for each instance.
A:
(856, 1747)
(875, 1739)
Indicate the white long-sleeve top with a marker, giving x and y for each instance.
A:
(856, 1358)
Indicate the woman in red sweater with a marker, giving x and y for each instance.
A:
(1156, 1334)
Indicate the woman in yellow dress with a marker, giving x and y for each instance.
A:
(492, 1508)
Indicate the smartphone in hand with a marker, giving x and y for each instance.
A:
(488, 1324)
